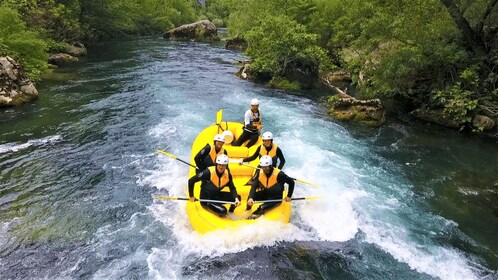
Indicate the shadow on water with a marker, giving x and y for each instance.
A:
(304, 260)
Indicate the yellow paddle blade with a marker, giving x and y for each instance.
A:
(307, 183)
(313, 197)
(163, 197)
(163, 152)
(219, 116)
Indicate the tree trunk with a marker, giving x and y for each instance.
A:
(473, 38)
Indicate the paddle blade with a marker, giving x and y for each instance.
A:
(307, 183)
(219, 116)
(163, 152)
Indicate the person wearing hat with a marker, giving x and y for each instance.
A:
(214, 180)
(269, 185)
(207, 155)
(267, 148)
(252, 125)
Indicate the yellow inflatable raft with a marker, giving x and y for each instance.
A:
(204, 221)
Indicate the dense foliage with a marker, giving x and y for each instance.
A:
(31, 27)
(21, 43)
(439, 53)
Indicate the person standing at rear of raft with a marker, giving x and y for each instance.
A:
(252, 125)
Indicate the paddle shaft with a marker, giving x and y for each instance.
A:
(175, 157)
(295, 179)
(280, 200)
(188, 199)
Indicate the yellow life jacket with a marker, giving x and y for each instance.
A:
(219, 182)
(213, 153)
(268, 182)
(272, 153)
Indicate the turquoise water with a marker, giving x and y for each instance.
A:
(78, 172)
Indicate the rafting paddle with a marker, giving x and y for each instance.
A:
(163, 197)
(292, 199)
(295, 179)
(175, 157)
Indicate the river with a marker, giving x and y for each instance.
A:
(79, 171)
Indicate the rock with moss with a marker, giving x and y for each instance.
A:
(283, 83)
(60, 59)
(436, 116)
(483, 123)
(202, 31)
(368, 112)
(15, 87)
(236, 43)
(344, 107)
(77, 49)
(245, 71)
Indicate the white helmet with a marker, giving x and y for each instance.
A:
(265, 160)
(254, 101)
(267, 136)
(219, 137)
(222, 159)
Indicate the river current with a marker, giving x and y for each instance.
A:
(79, 171)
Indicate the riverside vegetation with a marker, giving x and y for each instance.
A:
(438, 56)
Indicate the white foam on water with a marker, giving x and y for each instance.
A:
(437, 261)
(320, 152)
(15, 146)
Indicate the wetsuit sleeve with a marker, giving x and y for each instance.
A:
(201, 155)
(231, 186)
(282, 177)
(281, 158)
(204, 175)
(253, 157)
(254, 185)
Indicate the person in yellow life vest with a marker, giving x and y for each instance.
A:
(269, 185)
(207, 155)
(214, 180)
(268, 148)
(252, 125)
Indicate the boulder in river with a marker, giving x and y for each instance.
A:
(204, 31)
(236, 43)
(15, 87)
(344, 107)
(76, 49)
(60, 59)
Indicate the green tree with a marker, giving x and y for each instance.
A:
(398, 48)
(279, 41)
(25, 45)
